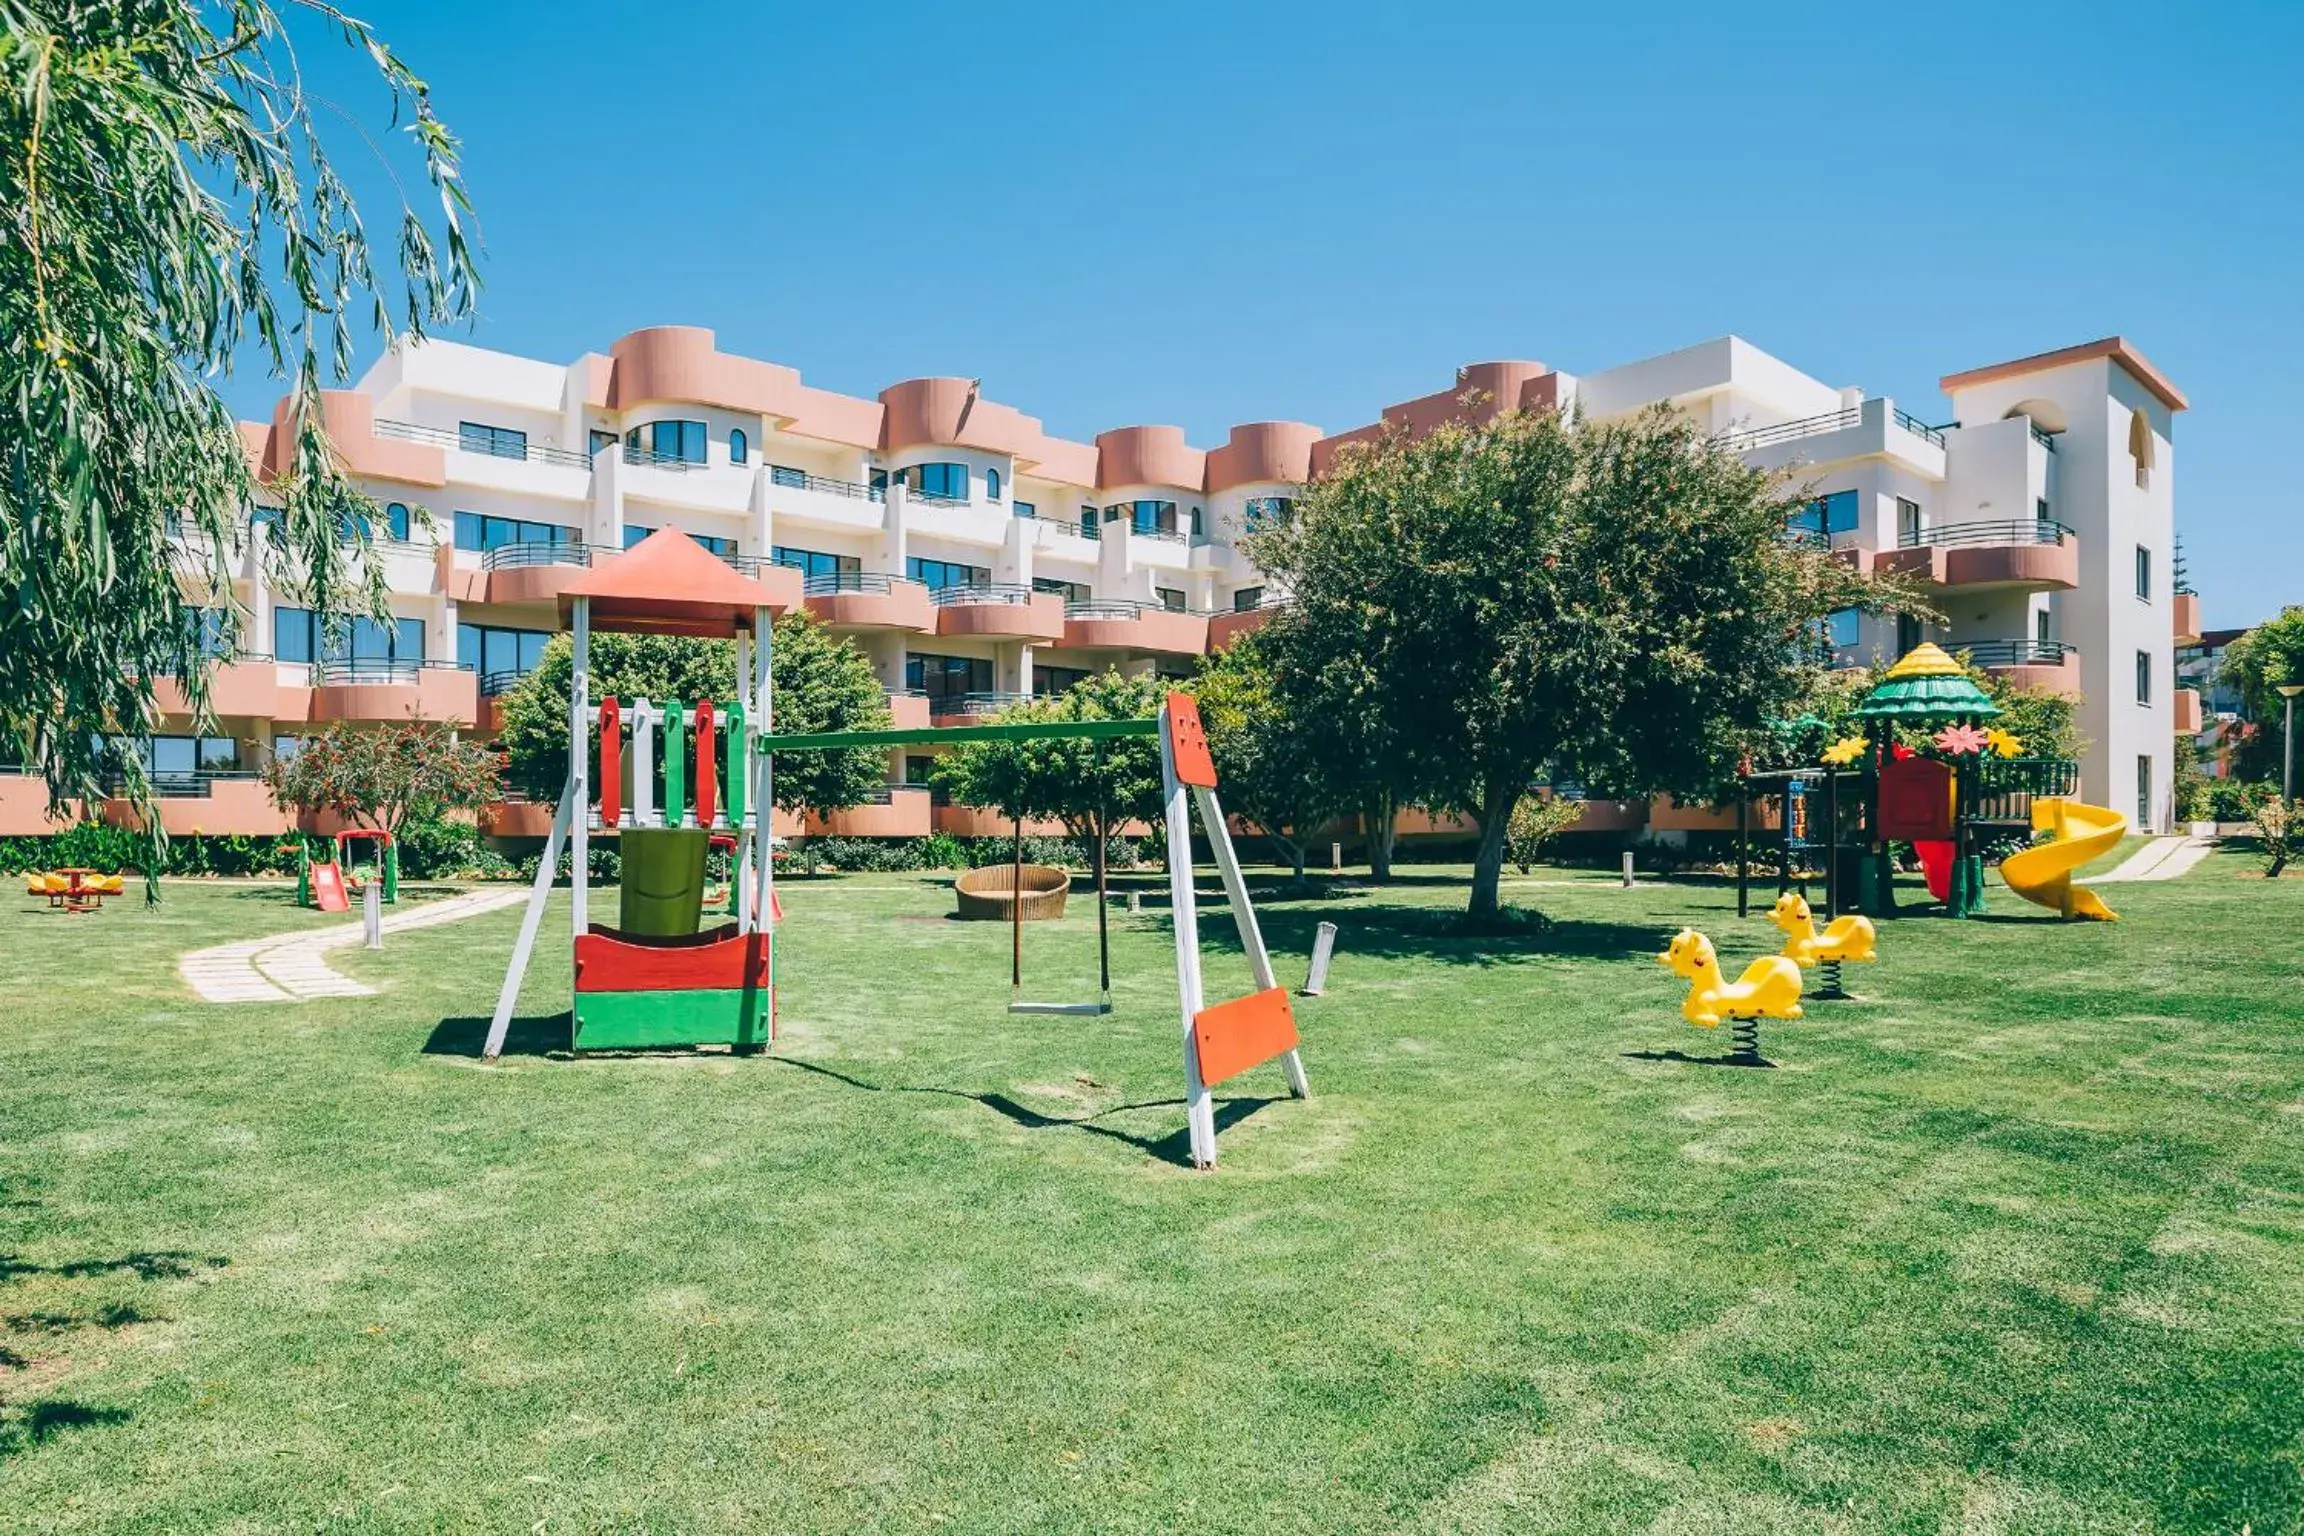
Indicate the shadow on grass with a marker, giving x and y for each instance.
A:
(533, 1035)
(110, 1316)
(1730, 1060)
(26, 1425)
(1439, 934)
(167, 1264)
(1175, 1147)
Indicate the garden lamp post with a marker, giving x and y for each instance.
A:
(2288, 694)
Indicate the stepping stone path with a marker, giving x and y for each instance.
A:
(292, 967)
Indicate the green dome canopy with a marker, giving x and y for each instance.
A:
(1926, 685)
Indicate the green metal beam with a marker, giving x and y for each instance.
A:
(948, 735)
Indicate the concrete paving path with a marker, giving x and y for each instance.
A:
(291, 967)
(2163, 858)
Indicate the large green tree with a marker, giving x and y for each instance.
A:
(1277, 764)
(1090, 786)
(1614, 601)
(822, 683)
(167, 208)
(2257, 665)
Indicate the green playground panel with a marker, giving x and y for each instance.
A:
(644, 1021)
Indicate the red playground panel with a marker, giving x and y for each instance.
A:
(1248, 1031)
(1188, 743)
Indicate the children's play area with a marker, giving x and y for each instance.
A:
(1849, 1190)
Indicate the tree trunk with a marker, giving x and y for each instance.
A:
(1488, 863)
(1380, 816)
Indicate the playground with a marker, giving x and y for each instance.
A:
(2006, 1244)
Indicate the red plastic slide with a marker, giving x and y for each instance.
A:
(328, 887)
(1936, 866)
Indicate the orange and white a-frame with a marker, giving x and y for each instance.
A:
(1225, 1040)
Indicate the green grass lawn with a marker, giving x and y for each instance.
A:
(2014, 1245)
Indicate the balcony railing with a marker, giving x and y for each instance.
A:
(2026, 530)
(196, 785)
(649, 458)
(2016, 653)
(885, 794)
(802, 480)
(1086, 530)
(493, 448)
(982, 594)
(513, 557)
(828, 583)
(1919, 428)
(924, 499)
(1164, 535)
(379, 669)
(990, 703)
(1792, 431)
(1117, 608)
(2042, 438)
(496, 684)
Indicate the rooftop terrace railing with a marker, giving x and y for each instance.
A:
(2016, 653)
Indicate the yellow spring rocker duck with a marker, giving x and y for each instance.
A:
(1844, 938)
(1768, 989)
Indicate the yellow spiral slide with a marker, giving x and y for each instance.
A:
(2044, 874)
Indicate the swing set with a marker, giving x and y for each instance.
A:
(652, 983)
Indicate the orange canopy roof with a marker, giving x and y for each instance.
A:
(668, 584)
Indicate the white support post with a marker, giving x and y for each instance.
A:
(1323, 950)
(530, 922)
(643, 718)
(763, 795)
(1199, 1108)
(579, 765)
(740, 762)
(1244, 918)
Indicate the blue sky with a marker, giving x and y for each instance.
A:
(1205, 214)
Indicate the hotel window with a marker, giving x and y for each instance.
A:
(1144, 516)
(948, 482)
(1247, 599)
(1170, 598)
(496, 442)
(1047, 682)
(1087, 522)
(1907, 522)
(1827, 515)
(297, 636)
(814, 562)
(1026, 509)
(991, 485)
(944, 677)
(2143, 573)
(481, 532)
(185, 757)
(2040, 510)
(724, 548)
(672, 442)
(1908, 632)
(739, 448)
(938, 574)
(599, 440)
(2040, 623)
(2140, 448)
(501, 656)
(919, 768)
(2144, 677)
(1070, 591)
(1844, 627)
(1196, 522)
(396, 520)
(1263, 511)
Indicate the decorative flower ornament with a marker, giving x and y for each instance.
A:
(2006, 743)
(1844, 751)
(1961, 740)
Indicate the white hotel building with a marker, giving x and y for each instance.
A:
(975, 558)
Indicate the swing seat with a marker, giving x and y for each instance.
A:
(1069, 1010)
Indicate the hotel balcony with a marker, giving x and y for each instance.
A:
(1228, 626)
(2187, 711)
(2025, 554)
(247, 686)
(907, 709)
(538, 573)
(216, 802)
(869, 600)
(969, 708)
(895, 810)
(1110, 624)
(2187, 618)
(2048, 665)
(441, 691)
(999, 612)
(516, 818)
